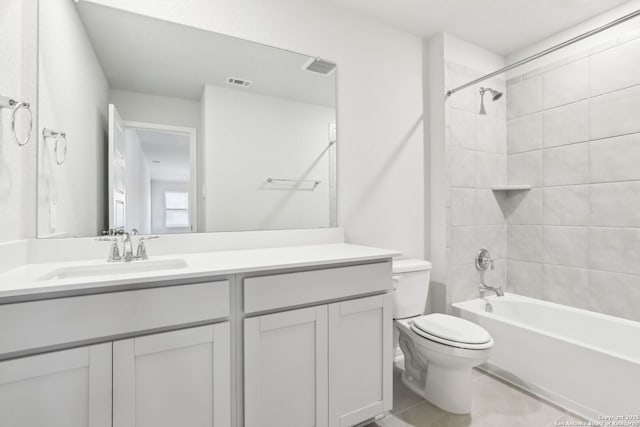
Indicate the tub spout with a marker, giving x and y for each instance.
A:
(496, 289)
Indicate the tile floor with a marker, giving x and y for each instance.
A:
(496, 404)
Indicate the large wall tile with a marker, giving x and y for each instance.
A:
(615, 159)
(615, 249)
(566, 84)
(565, 285)
(567, 246)
(493, 238)
(615, 113)
(457, 75)
(488, 210)
(616, 204)
(462, 243)
(523, 207)
(463, 206)
(525, 168)
(524, 97)
(566, 165)
(566, 205)
(491, 134)
(463, 168)
(491, 169)
(615, 68)
(524, 242)
(615, 294)
(524, 133)
(524, 278)
(566, 124)
(575, 131)
(463, 283)
(462, 128)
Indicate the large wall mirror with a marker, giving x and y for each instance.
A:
(165, 128)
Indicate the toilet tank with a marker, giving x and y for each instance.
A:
(411, 284)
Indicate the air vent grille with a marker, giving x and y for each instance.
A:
(320, 66)
(238, 82)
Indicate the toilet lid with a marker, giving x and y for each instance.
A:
(451, 328)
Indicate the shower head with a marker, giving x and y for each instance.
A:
(495, 95)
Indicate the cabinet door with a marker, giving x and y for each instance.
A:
(178, 378)
(360, 359)
(285, 369)
(70, 388)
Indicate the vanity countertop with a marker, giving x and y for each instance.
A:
(27, 281)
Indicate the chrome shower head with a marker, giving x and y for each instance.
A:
(495, 95)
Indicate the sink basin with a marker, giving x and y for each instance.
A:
(114, 268)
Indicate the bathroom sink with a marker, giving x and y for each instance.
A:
(114, 268)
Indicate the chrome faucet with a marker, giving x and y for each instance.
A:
(484, 261)
(483, 287)
(115, 255)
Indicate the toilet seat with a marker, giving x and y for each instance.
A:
(452, 331)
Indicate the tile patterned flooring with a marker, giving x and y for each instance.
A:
(496, 404)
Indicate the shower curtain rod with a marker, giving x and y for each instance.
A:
(547, 51)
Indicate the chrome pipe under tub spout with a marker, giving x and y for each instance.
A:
(546, 51)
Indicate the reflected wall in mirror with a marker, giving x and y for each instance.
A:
(173, 129)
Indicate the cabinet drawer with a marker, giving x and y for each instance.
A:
(291, 289)
(32, 325)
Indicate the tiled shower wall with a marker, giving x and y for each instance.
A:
(574, 135)
(477, 161)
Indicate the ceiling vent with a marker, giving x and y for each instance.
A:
(319, 66)
(238, 82)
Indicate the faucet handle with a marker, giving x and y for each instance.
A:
(114, 251)
(149, 238)
(141, 252)
(484, 260)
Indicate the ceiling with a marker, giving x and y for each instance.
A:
(167, 154)
(152, 56)
(503, 26)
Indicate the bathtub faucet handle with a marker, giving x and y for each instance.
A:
(484, 260)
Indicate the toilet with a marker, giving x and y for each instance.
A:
(439, 350)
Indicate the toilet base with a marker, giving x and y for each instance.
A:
(448, 389)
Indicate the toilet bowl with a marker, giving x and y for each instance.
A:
(439, 350)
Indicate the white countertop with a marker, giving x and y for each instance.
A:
(26, 281)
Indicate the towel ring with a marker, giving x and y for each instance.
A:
(56, 136)
(17, 106)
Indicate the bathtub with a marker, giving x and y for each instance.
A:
(586, 362)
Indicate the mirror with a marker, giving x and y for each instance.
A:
(166, 128)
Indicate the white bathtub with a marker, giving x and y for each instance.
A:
(586, 362)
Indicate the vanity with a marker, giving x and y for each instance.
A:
(291, 336)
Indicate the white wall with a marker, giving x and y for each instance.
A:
(142, 107)
(250, 137)
(137, 184)
(72, 99)
(380, 112)
(18, 79)
(158, 189)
